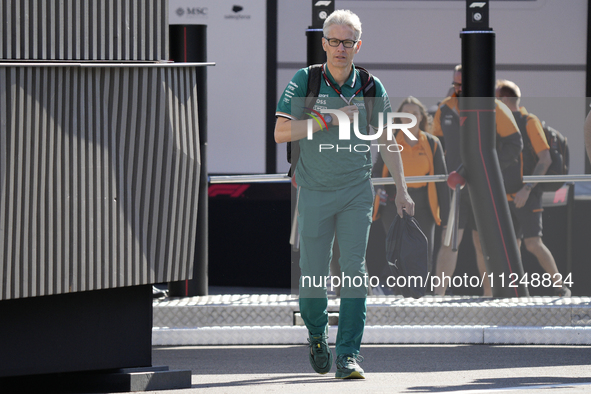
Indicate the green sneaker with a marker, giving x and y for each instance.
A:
(320, 355)
(348, 367)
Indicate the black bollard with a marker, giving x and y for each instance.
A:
(477, 146)
(320, 11)
(315, 55)
(188, 44)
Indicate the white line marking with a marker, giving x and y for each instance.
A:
(534, 387)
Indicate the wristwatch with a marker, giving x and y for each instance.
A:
(529, 186)
(328, 119)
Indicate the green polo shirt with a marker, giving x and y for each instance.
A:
(327, 162)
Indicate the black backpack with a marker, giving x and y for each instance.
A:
(558, 152)
(513, 172)
(314, 81)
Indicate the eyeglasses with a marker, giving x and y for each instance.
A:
(335, 42)
(456, 84)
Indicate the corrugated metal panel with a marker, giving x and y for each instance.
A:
(99, 172)
(84, 30)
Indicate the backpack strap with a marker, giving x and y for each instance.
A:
(314, 80)
(367, 82)
(369, 91)
(312, 91)
(523, 122)
(529, 157)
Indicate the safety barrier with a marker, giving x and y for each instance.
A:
(390, 181)
(567, 197)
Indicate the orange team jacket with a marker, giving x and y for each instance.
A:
(446, 125)
(535, 132)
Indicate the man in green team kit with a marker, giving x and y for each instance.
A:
(335, 193)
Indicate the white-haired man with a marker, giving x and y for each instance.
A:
(335, 193)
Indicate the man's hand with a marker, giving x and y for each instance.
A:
(349, 110)
(521, 197)
(404, 202)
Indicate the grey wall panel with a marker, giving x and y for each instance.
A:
(99, 172)
(84, 30)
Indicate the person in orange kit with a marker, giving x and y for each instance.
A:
(446, 126)
(526, 204)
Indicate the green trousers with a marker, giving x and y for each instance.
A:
(346, 213)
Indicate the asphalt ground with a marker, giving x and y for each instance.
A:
(462, 369)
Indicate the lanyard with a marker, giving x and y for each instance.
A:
(338, 91)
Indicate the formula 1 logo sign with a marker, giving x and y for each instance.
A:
(230, 190)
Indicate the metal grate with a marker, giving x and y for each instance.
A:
(283, 310)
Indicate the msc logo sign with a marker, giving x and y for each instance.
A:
(197, 11)
(192, 11)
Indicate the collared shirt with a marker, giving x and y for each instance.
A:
(326, 161)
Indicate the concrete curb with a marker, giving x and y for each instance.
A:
(296, 335)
